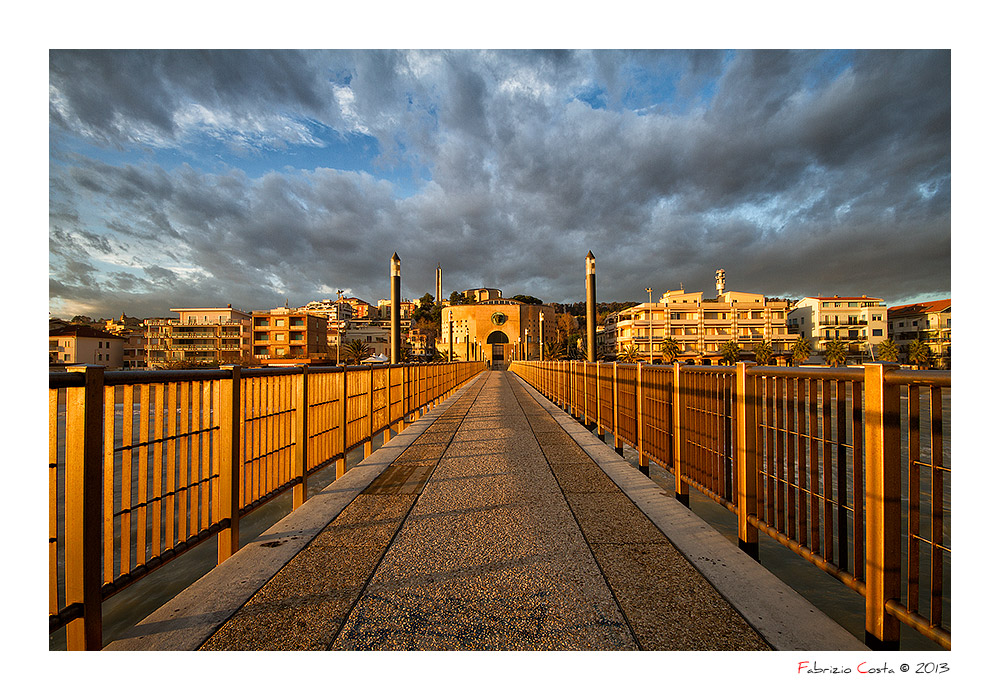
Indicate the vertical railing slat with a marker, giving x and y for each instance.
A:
(84, 418)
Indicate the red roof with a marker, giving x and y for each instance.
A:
(927, 307)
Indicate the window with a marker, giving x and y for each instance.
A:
(877, 332)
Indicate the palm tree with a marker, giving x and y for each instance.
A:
(670, 349)
(888, 351)
(919, 353)
(731, 352)
(763, 352)
(555, 351)
(629, 353)
(835, 352)
(800, 351)
(356, 351)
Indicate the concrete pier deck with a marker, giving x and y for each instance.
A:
(495, 522)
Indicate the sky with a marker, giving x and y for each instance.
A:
(247, 177)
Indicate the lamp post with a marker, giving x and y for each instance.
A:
(394, 334)
(340, 295)
(541, 336)
(649, 323)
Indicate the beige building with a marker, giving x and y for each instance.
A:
(211, 335)
(861, 322)
(496, 329)
(79, 344)
(701, 326)
(929, 321)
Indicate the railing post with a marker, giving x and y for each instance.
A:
(746, 461)
(597, 400)
(619, 446)
(342, 460)
(371, 410)
(681, 489)
(84, 430)
(883, 509)
(640, 396)
(301, 463)
(229, 463)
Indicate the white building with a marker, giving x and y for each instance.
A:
(701, 326)
(860, 322)
(86, 345)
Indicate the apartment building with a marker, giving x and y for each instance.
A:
(373, 335)
(203, 335)
(930, 322)
(284, 333)
(80, 344)
(361, 309)
(861, 322)
(132, 331)
(406, 308)
(701, 326)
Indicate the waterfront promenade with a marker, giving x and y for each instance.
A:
(494, 522)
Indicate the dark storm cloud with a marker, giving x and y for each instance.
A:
(122, 96)
(799, 172)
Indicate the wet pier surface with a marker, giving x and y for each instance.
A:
(490, 527)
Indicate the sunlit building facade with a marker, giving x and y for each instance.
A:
(201, 335)
(701, 326)
(929, 321)
(496, 329)
(860, 322)
(284, 334)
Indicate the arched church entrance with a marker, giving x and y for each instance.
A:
(498, 341)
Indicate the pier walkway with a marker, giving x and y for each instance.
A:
(494, 522)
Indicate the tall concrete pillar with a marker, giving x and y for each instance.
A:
(591, 307)
(394, 339)
(437, 285)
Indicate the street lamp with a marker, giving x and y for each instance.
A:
(541, 336)
(337, 310)
(649, 323)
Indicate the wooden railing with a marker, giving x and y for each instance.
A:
(844, 466)
(197, 450)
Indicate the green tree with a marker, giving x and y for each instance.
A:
(356, 351)
(629, 353)
(670, 349)
(731, 352)
(919, 353)
(800, 351)
(888, 351)
(527, 299)
(763, 352)
(835, 353)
